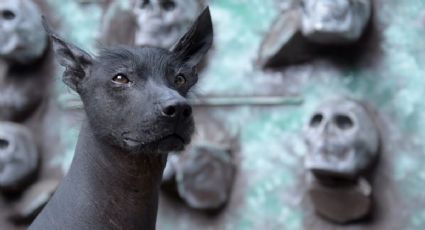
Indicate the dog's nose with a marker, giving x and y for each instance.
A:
(176, 109)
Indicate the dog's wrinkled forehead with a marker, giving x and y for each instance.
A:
(148, 60)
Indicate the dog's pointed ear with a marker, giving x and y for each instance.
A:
(75, 60)
(194, 45)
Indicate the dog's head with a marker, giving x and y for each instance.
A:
(135, 97)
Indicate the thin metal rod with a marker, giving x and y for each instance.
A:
(224, 101)
(246, 101)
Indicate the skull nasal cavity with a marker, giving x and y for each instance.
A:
(316, 120)
(4, 144)
(344, 122)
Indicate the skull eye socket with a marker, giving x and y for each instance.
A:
(8, 14)
(168, 5)
(303, 6)
(144, 4)
(344, 122)
(4, 144)
(316, 120)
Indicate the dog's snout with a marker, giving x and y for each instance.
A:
(176, 109)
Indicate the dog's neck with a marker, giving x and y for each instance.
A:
(106, 188)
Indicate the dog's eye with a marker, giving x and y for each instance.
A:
(180, 80)
(121, 79)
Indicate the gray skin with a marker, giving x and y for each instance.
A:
(135, 102)
(334, 21)
(22, 38)
(161, 22)
(19, 158)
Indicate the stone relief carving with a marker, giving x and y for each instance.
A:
(201, 176)
(22, 38)
(26, 78)
(23, 43)
(343, 144)
(162, 22)
(19, 157)
(310, 27)
(334, 21)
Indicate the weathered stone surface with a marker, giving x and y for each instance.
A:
(23, 54)
(341, 204)
(335, 21)
(169, 183)
(22, 38)
(205, 175)
(161, 23)
(343, 144)
(33, 200)
(19, 158)
(342, 139)
(312, 28)
(284, 44)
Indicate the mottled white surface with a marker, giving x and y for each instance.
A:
(334, 21)
(342, 138)
(162, 23)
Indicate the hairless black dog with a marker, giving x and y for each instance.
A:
(136, 112)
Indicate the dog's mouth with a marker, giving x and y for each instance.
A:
(166, 143)
(172, 142)
(176, 136)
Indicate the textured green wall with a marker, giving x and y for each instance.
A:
(268, 193)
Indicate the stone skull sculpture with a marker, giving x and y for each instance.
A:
(334, 21)
(162, 22)
(342, 139)
(205, 176)
(343, 144)
(202, 176)
(22, 38)
(18, 157)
